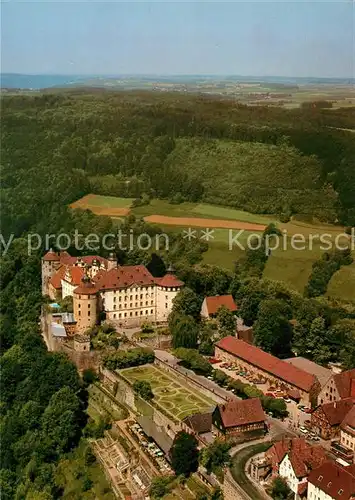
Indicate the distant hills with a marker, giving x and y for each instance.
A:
(37, 81)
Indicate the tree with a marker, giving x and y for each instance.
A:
(272, 330)
(160, 487)
(187, 303)
(280, 489)
(220, 377)
(226, 320)
(216, 456)
(184, 331)
(143, 389)
(217, 494)
(184, 454)
(89, 376)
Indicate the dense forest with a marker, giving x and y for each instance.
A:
(57, 148)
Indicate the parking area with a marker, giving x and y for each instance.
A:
(149, 447)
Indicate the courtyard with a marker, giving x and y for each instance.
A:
(170, 393)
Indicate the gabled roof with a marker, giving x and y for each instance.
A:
(348, 424)
(345, 383)
(306, 458)
(336, 481)
(265, 361)
(56, 279)
(241, 412)
(308, 366)
(75, 274)
(214, 303)
(336, 411)
(199, 422)
(124, 277)
(280, 448)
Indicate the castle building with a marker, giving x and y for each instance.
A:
(127, 295)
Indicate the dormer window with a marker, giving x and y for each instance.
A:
(320, 478)
(340, 492)
(329, 484)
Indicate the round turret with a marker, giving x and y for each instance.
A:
(85, 304)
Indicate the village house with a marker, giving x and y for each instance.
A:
(298, 462)
(298, 383)
(199, 424)
(347, 430)
(338, 386)
(127, 295)
(326, 418)
(210, 305)
(244, 419)
(331, 481)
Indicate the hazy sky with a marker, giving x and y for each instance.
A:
(299, 38)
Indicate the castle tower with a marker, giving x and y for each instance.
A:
(168, 288)
(49, 265)
(85, 304)
(111, 261)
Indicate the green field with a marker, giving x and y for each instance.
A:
(169, 392)
(290, 266)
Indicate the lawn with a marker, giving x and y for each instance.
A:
(170, 393)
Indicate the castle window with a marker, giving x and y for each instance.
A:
(151, 302)
(114, 316)
(130, 313)
(136, 313)
(88, 313)
(130, 305)
(79, 305)
(120, 298)
(136, 297)
(88, 306)
(166, 305)
(151, 311)
(114, 299)
(141, 303)
(120, 315)
(79, 296)
(166, 297)
(126, 297)
(141, 313)
(146, 312)
(125, 315)
(146, 303)
(79, 313)
(141, 296)
(114, 306)
(130, 297)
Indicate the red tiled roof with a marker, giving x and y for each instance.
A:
(270, 364)
(345, 383)
(241, 412)
(348, 424)
(214, 303)
(66, 258)
(306, 458)
(56, 279)
(302, 488)
(336, 481)
(123, 277)
(51, 256)
(335, 412)
(280, 448)
(76, 274)
(169, 280)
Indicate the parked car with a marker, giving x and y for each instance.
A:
(300, 407)
(287, 400)
(270, 395)
(307, 410)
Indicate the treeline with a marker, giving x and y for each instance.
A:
(43, 402)
(56, 148)
(323, 270)
(132, 357)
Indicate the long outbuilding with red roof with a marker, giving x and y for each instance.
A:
(261, 364)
